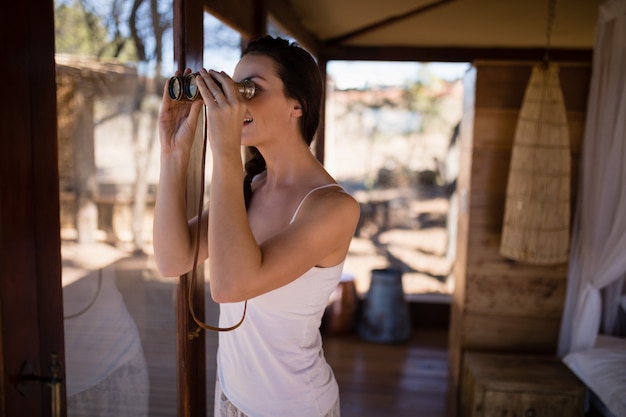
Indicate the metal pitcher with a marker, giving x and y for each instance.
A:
(385, 317)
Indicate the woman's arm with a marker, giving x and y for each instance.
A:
(320, 236)
(173, 235)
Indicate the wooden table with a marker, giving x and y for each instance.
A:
(498, 385)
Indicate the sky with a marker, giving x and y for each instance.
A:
(360, 74)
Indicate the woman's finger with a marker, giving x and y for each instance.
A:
(227, 84)
(208, 87)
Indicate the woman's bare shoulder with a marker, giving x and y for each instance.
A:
(335, 198)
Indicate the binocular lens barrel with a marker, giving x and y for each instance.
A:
(186, 88)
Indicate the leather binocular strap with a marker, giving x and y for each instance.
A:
(199, 322)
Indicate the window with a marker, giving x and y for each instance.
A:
(391, 140)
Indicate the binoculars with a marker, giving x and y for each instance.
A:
(185, 88)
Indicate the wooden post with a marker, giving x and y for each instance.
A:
(190, 349)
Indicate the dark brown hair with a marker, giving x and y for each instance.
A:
(302, 81)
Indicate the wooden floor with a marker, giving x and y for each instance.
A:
(376, 380)
(380, 380)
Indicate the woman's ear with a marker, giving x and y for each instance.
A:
(296, 110)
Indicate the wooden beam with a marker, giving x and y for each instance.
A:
(190, 350)
(241, 15)
(386, 22)
(284, 16)
(450, 54)
(259, 18)
(249, 17)
(188, 33)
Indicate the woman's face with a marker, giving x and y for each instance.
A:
(269, 113)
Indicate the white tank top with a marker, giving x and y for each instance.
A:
(273, 364)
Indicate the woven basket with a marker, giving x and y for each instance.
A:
(536, 227)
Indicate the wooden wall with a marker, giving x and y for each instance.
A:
(501, 305)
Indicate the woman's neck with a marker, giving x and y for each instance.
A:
(291, 165)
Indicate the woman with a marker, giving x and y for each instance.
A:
(280, 244)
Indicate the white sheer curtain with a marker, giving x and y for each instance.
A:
(598, 255)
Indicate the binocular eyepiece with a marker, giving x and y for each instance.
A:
(185, 88)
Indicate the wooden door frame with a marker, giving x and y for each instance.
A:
(31, 308)
(190, 344)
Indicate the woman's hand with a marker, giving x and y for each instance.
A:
(177, 121)
(174, 236)
(226, 110)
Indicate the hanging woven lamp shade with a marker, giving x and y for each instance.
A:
(536, 227)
